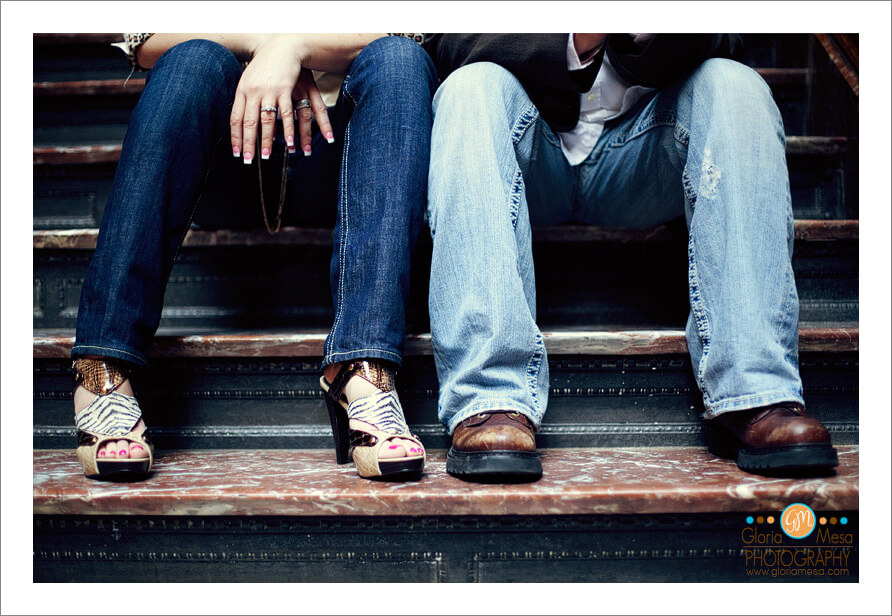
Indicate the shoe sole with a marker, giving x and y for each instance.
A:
(494, 466)
(794, 457)
(122, 471)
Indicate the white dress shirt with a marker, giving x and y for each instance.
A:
(609, 97)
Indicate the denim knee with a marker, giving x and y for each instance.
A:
(395, 67)
(734, 88)
(197, 61)
(477, 87)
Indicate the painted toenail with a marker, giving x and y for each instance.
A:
(101, 453)
(394, 446)
(123, 452)
(135, 447)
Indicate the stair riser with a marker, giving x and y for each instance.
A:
(577, 284)
(277, 403)
(71, 197)
(619, 548)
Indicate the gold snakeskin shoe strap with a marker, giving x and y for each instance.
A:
(99, 376)
(375, 373)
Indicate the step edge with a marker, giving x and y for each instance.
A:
(284, 344)
(108, 153)
(737, 491)
(813, 230)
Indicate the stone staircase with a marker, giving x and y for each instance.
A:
(245, 485)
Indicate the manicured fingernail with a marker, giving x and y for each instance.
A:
(329, 137)
(264, 153)
(248, 157)
(236, 151)
(308, 150)
(290, 142)
(292, 150)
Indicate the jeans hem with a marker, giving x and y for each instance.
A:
(492, 405)
(751, 401)
(342, 356)
(81, 350)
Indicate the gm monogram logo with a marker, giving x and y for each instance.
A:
(798, 521)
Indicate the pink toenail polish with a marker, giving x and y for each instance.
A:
(135, 447)
(102, 454)
(123, 452)
(394, 447)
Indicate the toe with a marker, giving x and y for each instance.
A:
(111, 449)
(394, 449)
(138, 451)
(123, 448)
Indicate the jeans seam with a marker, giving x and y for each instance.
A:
(751, 401)
(83, 347)
(521, 126)
(345, 226)
(391, 353)
(700, 317)
(533, 371)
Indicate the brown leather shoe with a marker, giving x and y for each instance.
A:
(772, 439)
(494, 446)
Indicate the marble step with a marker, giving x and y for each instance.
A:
(813, 338)
(85, 239)
(261, 389)
(653, 480)
(95, 153)
(598, 515)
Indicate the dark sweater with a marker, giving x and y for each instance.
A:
(539, 61)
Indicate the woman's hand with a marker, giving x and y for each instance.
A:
(274, 78)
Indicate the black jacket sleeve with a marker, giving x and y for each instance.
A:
(667, 57)
(539, 61)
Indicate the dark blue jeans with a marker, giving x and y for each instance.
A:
(177, 165)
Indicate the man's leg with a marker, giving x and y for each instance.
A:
(490, 356)
(712, 147)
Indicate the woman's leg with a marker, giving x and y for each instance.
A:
(384, 122)
(173, 138)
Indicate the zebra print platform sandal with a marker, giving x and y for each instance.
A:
(367, 424)
(111, 416)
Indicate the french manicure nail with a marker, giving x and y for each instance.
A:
(329, 137)
(247, 158)
(292, 150)
(264, 154)
(290, 142)
(308, 150)
(235, 151)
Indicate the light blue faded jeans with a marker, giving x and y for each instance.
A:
(710, 148)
